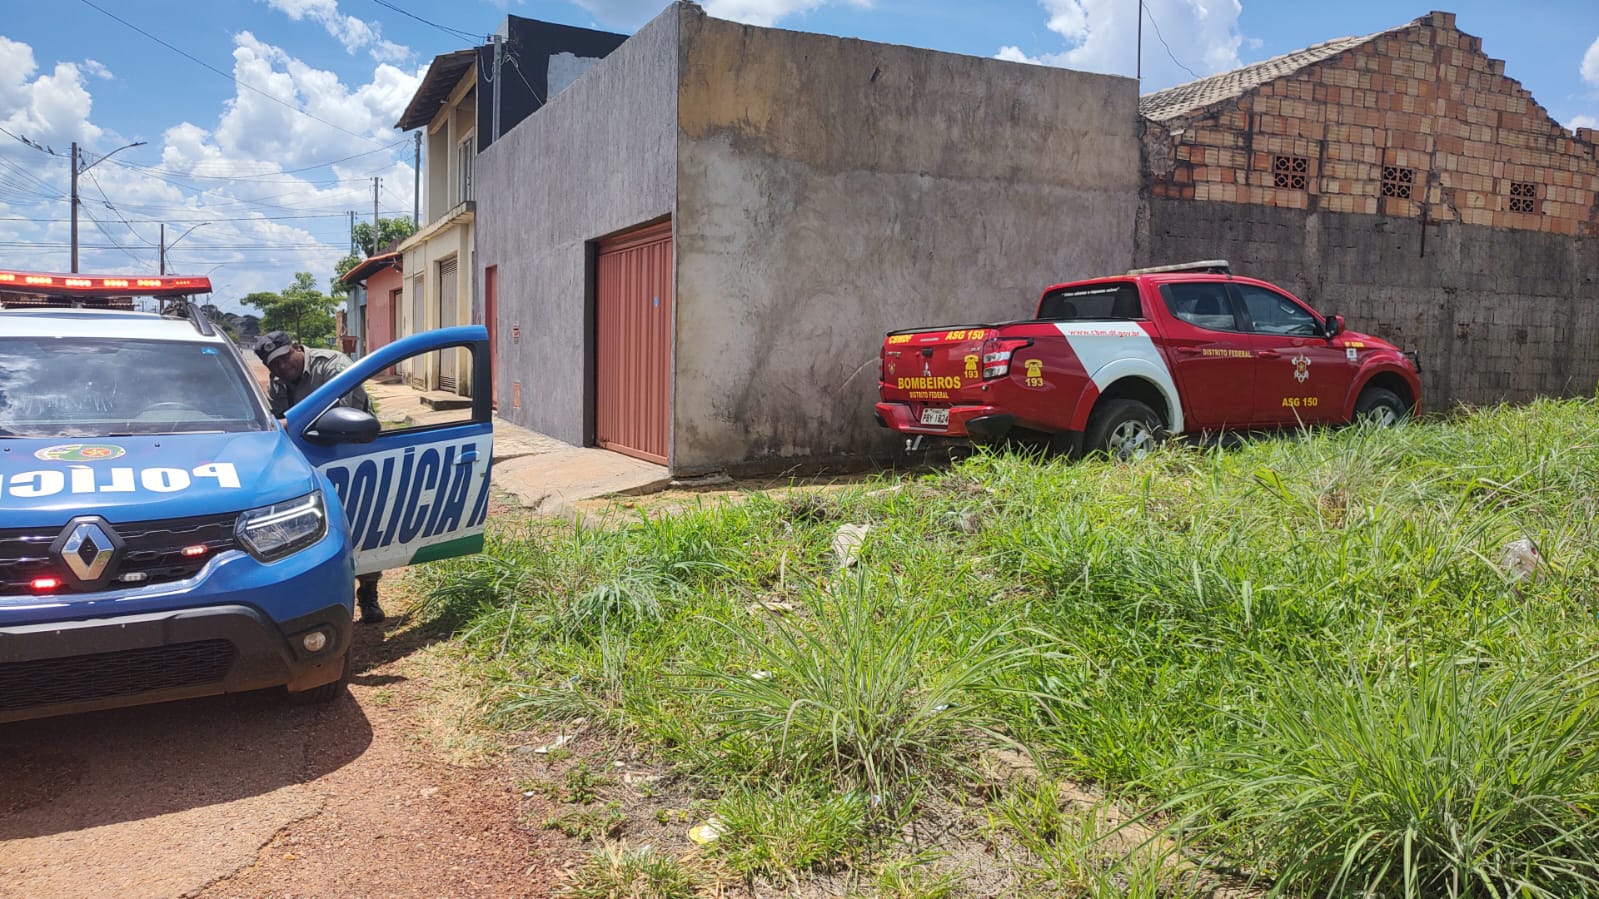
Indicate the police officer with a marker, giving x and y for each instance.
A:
(296, 372)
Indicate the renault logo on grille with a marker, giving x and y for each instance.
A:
(87, 547)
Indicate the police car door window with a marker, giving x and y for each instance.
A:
(1273, 313)
(411, 396)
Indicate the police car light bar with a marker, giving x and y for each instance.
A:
(51, 284)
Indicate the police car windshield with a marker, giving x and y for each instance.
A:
(93, 387)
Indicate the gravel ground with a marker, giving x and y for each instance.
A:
(244, 796)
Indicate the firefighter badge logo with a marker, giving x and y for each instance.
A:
(1301, 368)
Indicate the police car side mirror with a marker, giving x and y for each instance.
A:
(341, 424)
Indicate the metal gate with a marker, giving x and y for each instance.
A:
(447, 317)
(633, 352)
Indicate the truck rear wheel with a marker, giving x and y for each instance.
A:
(1124, 430)
(1380, 406)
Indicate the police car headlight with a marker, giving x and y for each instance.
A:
(272, 532)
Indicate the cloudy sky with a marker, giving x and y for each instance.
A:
(263, 122)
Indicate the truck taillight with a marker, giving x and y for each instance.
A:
(997, 353)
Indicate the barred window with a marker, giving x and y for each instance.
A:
(1523, 196)
(1397, 182)
(1290, 171)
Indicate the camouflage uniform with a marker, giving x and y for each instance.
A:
(320, 367)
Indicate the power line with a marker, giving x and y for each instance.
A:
(114, 209)
(195, 59)
(175, 221)
(108, 236)
(31, 143)
(1163, 43)
(518, 67)
(266, 177)
(454, 32)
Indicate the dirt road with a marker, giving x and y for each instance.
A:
(246, 796)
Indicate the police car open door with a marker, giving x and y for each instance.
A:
(414, 484)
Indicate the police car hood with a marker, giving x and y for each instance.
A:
(47, 481)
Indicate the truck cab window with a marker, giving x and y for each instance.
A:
(1273, 313)
(1203, 305)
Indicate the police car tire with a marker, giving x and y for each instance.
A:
(1373, 400)
(327, 692)
(1106, 420)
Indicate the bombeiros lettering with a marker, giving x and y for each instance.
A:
(932, 383)
(85, 479)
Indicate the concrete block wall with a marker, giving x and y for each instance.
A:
(1497, 314)
(598, 158)
(1422, 98)
(832, 190)
(1496, 288)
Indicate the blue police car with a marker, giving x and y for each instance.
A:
(162, 536)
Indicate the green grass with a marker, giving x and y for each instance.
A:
(619, 871)
(1297, 636)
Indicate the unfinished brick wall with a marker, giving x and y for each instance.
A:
(1409, 185)
(1421, 99)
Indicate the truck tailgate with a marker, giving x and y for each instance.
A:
(933, 366)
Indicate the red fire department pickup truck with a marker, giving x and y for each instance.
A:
(1114, 364)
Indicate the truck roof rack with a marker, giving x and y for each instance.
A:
(1206, 266)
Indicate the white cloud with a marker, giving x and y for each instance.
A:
(630, 14)
(258, 127)
(625, 14)
(1182, 39)
(1590, 64)
(233, 171)
(1582, 121)
(97, 69)
(769, 12)
(350, 31)
(50, 109)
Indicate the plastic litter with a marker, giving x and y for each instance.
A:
(1520, 560)
(707, 833)
(557, 743)
(847, 543)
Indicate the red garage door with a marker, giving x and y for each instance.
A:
(633, 358)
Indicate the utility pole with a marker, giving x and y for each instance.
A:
(163, 248)
(73, 162)
(77, 170)
(1140, 64)
(352, 232)
(499, 57)
(375, 182)
(416, 194)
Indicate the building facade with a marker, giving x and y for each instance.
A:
(1400, 179)
(375, 288)
(694, 252)
(437, 259)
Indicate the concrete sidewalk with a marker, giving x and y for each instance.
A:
(544, 474)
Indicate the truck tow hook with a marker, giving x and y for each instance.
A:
(913, 444)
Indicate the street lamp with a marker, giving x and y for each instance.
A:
(76, 171)
(167, 246)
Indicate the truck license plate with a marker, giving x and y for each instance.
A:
(935, 416)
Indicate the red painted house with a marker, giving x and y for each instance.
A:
(375, 287)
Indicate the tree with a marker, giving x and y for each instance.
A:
(301, 309)
(389, 231)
